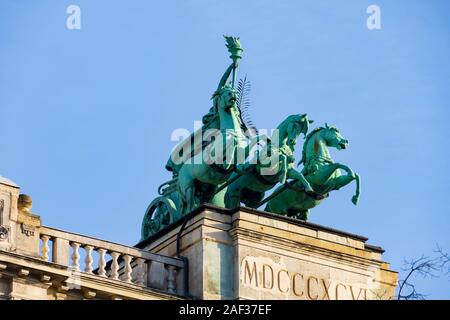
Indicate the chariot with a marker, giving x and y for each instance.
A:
(162, 211)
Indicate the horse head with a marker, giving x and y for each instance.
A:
(296, 125)
(328, 136)
(333, 137)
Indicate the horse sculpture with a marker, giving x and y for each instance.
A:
(320, 171)
(213, 164)
(258, 178)
(201, 175)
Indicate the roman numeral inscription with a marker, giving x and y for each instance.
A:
(275, 280)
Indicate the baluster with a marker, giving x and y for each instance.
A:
(101, 262)
(75, 256)
(148, 272)
(128, 270)
(115, 266)
(45, 248)
(88, 260)
(140, 280)
(171, 284)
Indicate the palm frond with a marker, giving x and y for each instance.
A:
(243, 103)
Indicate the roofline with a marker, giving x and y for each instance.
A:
(373, 248)
(305, 224)
(8, 182)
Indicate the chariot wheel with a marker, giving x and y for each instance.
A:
(161, 212)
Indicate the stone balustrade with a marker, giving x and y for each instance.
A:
(105, 259)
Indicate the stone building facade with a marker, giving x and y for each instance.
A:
(213, 253)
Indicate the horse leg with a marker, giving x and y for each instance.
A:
(190, 198)
(303, 215)
(341, 181)
(354, 176)
(186, 190)
(294, 174)
(281, 203)
(346, 169)
(182, 201)
(355, 198)
(323, 176)
(283, 170)
(233, 196)
(253, 202)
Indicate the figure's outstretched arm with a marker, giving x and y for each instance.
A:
(226, 75)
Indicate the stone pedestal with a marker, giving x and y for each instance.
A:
(250, 254)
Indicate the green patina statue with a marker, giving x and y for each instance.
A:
(321, 172)
(274, 164)
(202, 163)
(202, 174)
(214, 164)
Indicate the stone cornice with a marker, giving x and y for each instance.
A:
(8, 182)
(269, 215)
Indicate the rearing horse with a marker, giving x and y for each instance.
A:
(278, 161)
(321, 172)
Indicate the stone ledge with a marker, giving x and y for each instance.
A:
(8, 182)
(251, 254)
(308, 225)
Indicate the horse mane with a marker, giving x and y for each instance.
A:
(307, 138)
(288, 120)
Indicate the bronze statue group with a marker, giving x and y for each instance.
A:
(227, 163)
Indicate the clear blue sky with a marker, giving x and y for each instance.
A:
(86, 115)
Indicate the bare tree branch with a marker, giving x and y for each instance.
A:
(444, 259)
(425, 267)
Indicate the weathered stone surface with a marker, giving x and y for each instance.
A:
(256, 255)
(232, 254)
(8, 182)
(9, 194)
(43, 263)
(30, 278)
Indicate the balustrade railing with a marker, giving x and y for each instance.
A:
(125, 264)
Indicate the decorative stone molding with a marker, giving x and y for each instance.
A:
(45, 278)
(48, 280)
(233, 254)
(4, 232)
(119, 263)
(60, 296)
(9, 193)
(37, 262)
(89, 294)
(23, 273)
